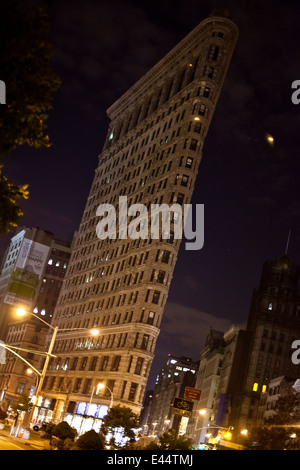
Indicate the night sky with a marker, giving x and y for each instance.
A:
(249, 188)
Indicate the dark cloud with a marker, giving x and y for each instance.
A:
(183, 333)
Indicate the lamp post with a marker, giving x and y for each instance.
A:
(199, 413)
(154, 424)
(22, 312)
(101, 387)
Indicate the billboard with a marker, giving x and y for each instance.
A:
(27, 273)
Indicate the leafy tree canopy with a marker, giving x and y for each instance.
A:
(26, 69)
(91, 441)
(23, 403)
(120, 420)
(170, 441)
(63, 431)
(25, 65)
(276, 432)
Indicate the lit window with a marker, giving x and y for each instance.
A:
(43, 312)
(255, 387)
(270, 306)
(35, 310)
(57, 264)
(264, 388)
(50, 261)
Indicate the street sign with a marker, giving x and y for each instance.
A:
(182, 407)
(191, 393)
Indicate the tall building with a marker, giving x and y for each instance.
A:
(242, 372)
(151, 155)
(52, 279)
(207, 380)
(178, 373)
(273, 325)
(236, 347)
(32, 273)
(21, 274)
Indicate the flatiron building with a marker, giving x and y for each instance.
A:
(151, 155)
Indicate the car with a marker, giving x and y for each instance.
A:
(37, 426)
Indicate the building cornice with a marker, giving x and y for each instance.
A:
(169, 62)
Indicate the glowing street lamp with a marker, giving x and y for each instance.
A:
(102, 387)
(22, 312)
(154, 424)
(95, 332)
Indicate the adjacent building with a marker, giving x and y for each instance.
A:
(33, 269)
(242, 372)
(120, 284)
(273, 325)
(173, 378)
(22, 268)
(207, 380)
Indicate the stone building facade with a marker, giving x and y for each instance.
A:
(25, 335)
(273, 325)
(151, 155)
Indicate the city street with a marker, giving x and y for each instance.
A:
(8, 442)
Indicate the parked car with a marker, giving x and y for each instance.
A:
(37, 426)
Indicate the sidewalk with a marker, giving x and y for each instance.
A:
(35, 442)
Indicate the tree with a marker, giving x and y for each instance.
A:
(170, 441)
(120, 423)
(25, 67)
(23, 403)
(63, 435)
(276, 432)
(3, 414)
(91, 441)
(47, 429)
(10, 213)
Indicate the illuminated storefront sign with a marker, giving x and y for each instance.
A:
(92, 410)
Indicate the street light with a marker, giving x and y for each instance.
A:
(22, 312)
(102, 387)
(154, 424)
